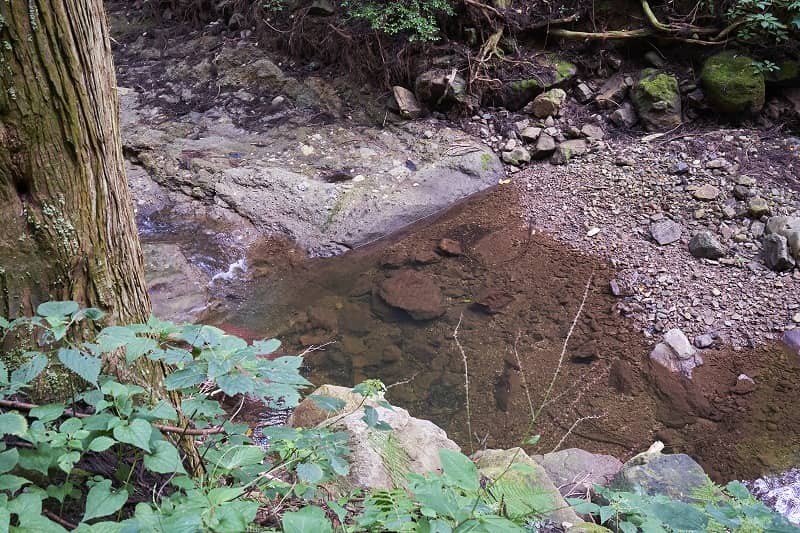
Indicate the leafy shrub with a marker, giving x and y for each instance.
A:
(767, 21)
(716, 510)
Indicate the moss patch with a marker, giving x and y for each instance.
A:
(732, 84)
(658, 86)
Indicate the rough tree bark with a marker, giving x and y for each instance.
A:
(68, 229)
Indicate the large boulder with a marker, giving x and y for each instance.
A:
(440, 88)
(657, 100)
(783, 225)
(731, 83)
(569, 149)
(577, 471)
(676, 476)
(776, 253)
(514, 472)
(380, 459)
(415, 293)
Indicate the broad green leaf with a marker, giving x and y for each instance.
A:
(86, 366)
(57, 309)
(199, 335)
(101, 444)
(5, 519)
(235, 383)
(459, 469)
(200, 407)
(266, 347)
(8, 460)
(13, 424)
(164, 459)
(679, 516)
(309, 472)
(26, 504)
(606, 514)
(70, 426)
(188, 377)
(232, 457)
(309, 519)
(66, 462)
(138, 347)
(136, 433)
(39, 459)
(28, 371)
(102, 500)
(163, 410)
(533, 440)
(3, 374)
(48, 413)
(92, 313)
(737, 490)
(32, 523)
(221, 495)
(59, 492)
(12, 483)
(236, 515)
(370, 417)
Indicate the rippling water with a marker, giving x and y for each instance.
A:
(781, 492)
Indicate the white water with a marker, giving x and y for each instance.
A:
(233, 269)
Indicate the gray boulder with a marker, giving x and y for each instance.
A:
(625, 116)
(545, 145)
(706, 246)
(676, 476)
(665, 232)
(380, 459)
(513, 468)
(407, 103)
(517, 157)
(613, 92)
(776, 253)
(547, 104)
(576, 471)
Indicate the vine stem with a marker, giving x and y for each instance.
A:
(466, 379)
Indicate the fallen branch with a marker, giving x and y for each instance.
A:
(23, 406)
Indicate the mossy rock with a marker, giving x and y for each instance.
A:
(657, 100)
(732, 84)
(787, 75)
(516, 94)
(588, 527)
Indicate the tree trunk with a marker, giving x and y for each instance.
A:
(68, 227)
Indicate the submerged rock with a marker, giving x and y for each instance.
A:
(731, 83)
(380, 459)
(415, 293)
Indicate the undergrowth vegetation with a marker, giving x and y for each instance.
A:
(111, 456)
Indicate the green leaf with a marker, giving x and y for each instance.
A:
(737, 490)
(48, 413)
(164, 459)
(370, 417)
(533, 440)
(27, 372)
(233, 457)
(36, 523)
(459, 469)
(12, 483)
(235, 383)
(328, 403)
(606, 513)
(102, 501)
(679, 516)
(136, 433)
(266, 347)
(86, 366)
(66, 462)
(188, 377)
(101, 444)
(8, 460)
(57, 309)
(581, 506)
(309, 519)
(3, 374)
(200, 407)
(309, 472)
(5, 519)
(59, 492)
(163, 410)
(138, 347)
(114, 337)
(13, 424)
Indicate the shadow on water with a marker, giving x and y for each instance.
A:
(509, 286)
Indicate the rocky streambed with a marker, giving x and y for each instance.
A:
(246, 178)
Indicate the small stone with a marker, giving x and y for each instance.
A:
(757, 229)
(592, 232)
(654, 59)
(450, 247)
(796, 318)
(278, 102)
(679, 168)
(666, 232)
(625, 161)
(740, 192)
(745, 181)
(625, 116)
(530, 133)
(703, 341)
(706, 193)
(545, 146)
(517, 157)
(758, 207)
(706, 246)
(744, 385)
(546, 104)
(407, 103)
(510, 145)
(717, 163)
(568, 150)
(728, 212)
(583, 93)
(593, 132)
(306, 150)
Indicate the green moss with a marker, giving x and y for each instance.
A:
(787, 73)
(486, 161)
(533, 85)
(564, 70)
(658, 86)
(395, 459)
(732, 84)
